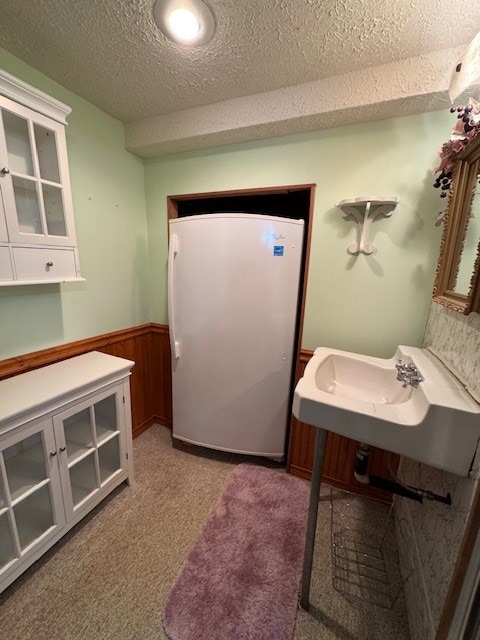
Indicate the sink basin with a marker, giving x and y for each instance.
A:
(359, 397)
(360, 379)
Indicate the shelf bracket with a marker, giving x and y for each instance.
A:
(364, 210)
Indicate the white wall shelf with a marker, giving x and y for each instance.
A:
(364, 210)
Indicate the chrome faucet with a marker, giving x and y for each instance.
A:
(408, 374)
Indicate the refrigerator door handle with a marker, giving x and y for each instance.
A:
(172, 253)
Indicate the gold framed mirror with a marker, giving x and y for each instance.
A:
(457, 282)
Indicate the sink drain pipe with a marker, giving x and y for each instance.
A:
(395, 486)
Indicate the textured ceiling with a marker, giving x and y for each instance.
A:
(111, 53)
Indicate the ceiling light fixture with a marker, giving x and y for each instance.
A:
(187, 22)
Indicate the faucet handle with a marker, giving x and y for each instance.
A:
(399, 364)
(416, 379)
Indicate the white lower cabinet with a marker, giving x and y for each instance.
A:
(61, 454)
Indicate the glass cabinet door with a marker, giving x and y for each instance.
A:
(31, 507)
(36, 191)
(93, 449)
(3, 222)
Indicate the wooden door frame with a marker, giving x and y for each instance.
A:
(172, 212)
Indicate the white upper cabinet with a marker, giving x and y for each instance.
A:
(35, 183)
(36, 210)
(3, 223)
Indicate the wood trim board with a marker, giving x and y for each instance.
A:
(147, 345)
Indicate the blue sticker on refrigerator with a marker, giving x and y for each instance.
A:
(278, 251)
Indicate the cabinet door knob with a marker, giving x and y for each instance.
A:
(62, 448)
(49, 264)
(5, 170)
(53, 453)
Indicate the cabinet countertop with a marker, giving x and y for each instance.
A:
(27, 391)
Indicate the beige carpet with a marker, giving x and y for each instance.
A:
(109, 577)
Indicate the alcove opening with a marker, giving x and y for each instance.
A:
(291, 201)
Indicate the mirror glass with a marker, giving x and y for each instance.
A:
(457, 283)
(470, 246)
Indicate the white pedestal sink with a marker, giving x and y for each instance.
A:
(359, 397)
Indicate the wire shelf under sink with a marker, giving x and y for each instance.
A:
(365, 564)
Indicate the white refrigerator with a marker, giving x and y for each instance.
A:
(233, 282)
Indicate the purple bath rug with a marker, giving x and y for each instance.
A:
(241, 579)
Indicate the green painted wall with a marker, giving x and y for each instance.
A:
(367, 304)
(109, 201)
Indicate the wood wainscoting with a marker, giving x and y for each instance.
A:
(151, 390)
(340, 454)
(147, 345)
